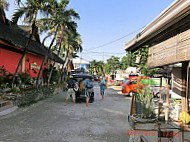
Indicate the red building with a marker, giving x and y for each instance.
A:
(12, 43)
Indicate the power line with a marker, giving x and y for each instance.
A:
(115, 40)
(101, 52)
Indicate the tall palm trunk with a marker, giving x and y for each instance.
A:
(49, 78)
(51, 71)
(45, 58)
(60, 77)
(67, 63)
(63, 68)
(66, 70)
(25, 49)
(2, 16)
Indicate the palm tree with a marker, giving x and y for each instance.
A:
(72, 43)
(3, 6)
(100, 67)
(61, 18)
(97, 67)
(93, 65)
(29, 12)
(71, 25)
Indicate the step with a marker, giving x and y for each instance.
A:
(7, 109)
(4, 103)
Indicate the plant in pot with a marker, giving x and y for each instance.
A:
(145, 99)
(144, 102)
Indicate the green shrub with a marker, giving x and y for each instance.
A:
(25, 78)
(55, 76)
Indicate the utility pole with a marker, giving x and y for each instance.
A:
(103, 56)
(80, 66)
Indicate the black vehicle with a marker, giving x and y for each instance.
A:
(96, 78)
(81, 93)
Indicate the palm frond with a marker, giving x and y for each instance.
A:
(19, 13)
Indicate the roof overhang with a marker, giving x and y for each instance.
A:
(170, 16)
(14, 39)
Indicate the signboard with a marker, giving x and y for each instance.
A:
(170, 51)
(34, 65)
(121, 76)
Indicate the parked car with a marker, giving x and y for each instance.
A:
(96, 78)
(132, 84)
(80, 78)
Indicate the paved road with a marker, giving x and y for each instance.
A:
(51, 121)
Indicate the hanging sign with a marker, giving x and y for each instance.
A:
(34, 65)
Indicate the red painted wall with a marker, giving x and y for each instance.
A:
(10, 61)
(34, 58)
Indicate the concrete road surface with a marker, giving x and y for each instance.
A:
(51, 121)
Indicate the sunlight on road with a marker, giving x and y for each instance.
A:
(116, 87)
(114, 111)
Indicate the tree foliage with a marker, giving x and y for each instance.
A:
(142, 65)
(130, 60)
(97, 68)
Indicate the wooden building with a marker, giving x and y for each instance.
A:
(168, 39)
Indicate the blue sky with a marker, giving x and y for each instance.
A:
(104, 21)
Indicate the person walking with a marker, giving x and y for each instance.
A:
(76, 88)
(88, 89)
(70, 90)
(102, 84)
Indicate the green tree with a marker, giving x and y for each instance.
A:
(92, 68)
(60, 18)
(3, 6)
(126, 61)
(142, 65)
(97, 68)
(29, 11)
(113, 63)
(71, 44)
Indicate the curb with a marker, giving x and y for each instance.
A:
(8, 110)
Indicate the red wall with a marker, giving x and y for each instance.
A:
(34, 58)
(10, 61)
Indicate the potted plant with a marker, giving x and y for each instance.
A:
(145, 104)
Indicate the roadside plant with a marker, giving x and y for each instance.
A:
(144, 97)
(25, 78)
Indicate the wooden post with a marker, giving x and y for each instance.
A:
(167, 103)
(133, 105)
(185, 66)
(168, 93)
(187, 90)
(160, 89)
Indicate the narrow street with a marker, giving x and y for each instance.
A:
(52, 121)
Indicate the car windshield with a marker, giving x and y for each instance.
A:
(126, 81)
(133, 82)
(82, 76)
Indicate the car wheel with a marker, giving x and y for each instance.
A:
(158, 94)
(130, 94)
(91, 98)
